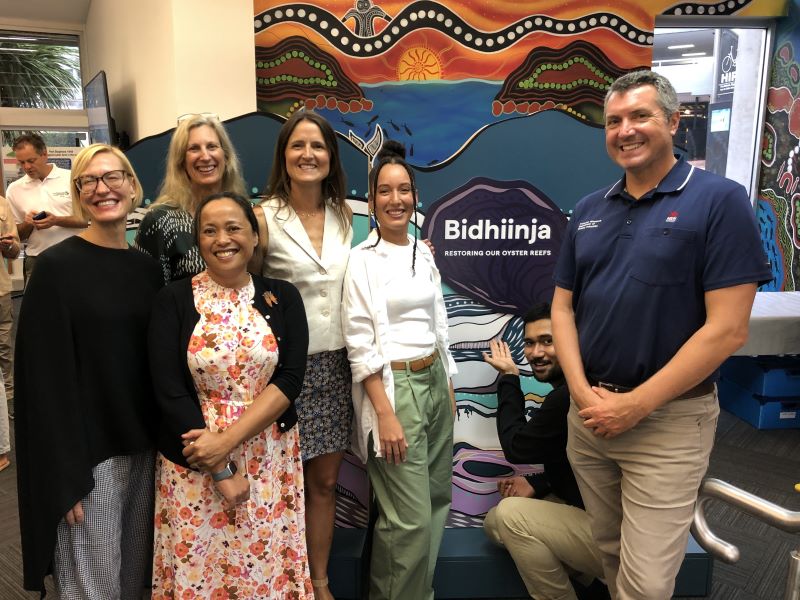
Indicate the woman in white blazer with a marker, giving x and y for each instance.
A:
(305, 237)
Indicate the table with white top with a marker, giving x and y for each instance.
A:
(774, 325)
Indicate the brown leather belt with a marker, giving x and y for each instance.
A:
(416, 364)
(701, 389)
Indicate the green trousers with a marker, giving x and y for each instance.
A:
(413, 497)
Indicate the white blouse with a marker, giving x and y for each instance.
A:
(410, 302)
(365, 317)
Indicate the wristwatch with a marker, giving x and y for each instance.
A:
(226, 473)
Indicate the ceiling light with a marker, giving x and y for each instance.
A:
(693, 54)
(680, 46)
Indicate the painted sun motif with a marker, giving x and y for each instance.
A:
(418, 64)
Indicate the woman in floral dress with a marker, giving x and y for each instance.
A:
(228, 354)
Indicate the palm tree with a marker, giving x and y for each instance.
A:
(38, 76)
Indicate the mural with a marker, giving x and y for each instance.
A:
(434, 74)
(499, 105)
(779, 198)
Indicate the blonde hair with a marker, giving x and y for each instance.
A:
(81, 162)
(176, 189)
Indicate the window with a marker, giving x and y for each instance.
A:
(719, 74)
(39, 70)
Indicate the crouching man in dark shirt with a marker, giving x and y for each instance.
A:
(541, 521)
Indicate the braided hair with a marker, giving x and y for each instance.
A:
(394, 153)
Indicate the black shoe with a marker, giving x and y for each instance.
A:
(596, 591)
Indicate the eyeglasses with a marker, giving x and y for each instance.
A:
(212, 116)
(113, 180)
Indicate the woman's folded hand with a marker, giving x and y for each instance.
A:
(204, 449)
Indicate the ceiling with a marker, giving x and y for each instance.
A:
(699, 40)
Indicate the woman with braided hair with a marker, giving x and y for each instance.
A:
(395, 328)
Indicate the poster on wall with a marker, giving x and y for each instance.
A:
(726, 64)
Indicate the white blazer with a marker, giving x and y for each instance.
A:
(365, 322)
(291, 257)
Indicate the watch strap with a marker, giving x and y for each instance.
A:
(226, 473)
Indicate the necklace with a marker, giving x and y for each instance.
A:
(308, 214)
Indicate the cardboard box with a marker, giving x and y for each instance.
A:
(767, 376)
(762, 412)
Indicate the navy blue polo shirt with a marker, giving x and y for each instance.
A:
(638, 269)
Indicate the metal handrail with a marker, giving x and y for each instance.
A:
(766, 511)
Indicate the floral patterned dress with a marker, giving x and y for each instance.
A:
(257, 549)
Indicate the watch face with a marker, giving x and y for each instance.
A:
(233, 468)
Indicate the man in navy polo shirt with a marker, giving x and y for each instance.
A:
(654, 286)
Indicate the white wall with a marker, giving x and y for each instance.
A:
(131, 42)
(215, 63)
(166, 58)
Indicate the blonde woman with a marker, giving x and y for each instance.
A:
(201, 161)
(85, 412)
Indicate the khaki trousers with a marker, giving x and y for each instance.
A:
(7, 346)
(640, 489)
(549, 542)
(413, 497)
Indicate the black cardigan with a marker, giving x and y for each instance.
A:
(173, 320)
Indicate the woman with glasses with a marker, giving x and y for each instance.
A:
(395, 326)
(305, 238)
(85, 413)
(201, 161)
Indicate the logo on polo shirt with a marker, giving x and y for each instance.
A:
(673, 216)
(593, 224)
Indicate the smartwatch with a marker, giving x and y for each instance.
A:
(226, 473)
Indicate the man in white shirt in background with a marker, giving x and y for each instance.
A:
(40, 200)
